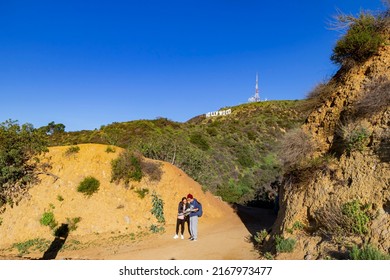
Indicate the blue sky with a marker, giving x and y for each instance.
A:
(91, 63)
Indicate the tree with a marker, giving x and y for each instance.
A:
(19, 164)
(53, 128)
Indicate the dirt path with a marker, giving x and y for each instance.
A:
(225, 239)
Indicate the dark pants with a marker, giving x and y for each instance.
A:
(180, 223)
(187, 220)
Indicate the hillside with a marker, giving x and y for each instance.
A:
(233, 156)
(115, 222)
(337, 198)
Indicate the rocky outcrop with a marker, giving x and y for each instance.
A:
(348, 175)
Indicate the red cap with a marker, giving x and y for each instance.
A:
(190, 196)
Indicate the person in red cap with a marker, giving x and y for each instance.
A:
(196, 211)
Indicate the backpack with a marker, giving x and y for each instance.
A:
(200, 210)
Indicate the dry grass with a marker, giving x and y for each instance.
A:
(376, 98)
(296, 147)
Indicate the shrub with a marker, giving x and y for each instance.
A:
(142, 192)
(156, 229)
(110, 149)
(72, 150)
(126, 167)
(284, 245)
(260, 236)
(48, 219)
(158, 208)
(19, 166)
(89, 186)
(152, 169)
(60, 198)
(361, 41)
(198, 140)
(375, 98)
(72, 223)
(359, 216)
(354, 136)
(295, 148)
(367, 252)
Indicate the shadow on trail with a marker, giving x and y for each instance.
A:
(61, 234)
(255, 219)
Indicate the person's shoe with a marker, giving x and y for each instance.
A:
(176, 236)
(191, 238)
(182, 237)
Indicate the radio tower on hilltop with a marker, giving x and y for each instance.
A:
(256, 98)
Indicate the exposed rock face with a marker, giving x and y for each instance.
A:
(362, 175)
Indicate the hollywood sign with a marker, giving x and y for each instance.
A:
(219, 113)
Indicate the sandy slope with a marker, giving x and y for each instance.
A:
(115, 222)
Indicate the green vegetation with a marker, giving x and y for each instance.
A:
(48, 219)
(142, 192)
(72, 150)
(156, 229)
(158, 208)
(89, 186)
(233, 156)
(367, 252)
(126, 167)
(362, 39)
(359, 216)
(72, 223)
(34, 244)
(284, 245)
(20, 147)
(110, 149)
(260, 236)
(60, 198)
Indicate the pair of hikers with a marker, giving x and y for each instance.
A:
(189, 210)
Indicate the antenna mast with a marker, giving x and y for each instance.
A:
(257, 97)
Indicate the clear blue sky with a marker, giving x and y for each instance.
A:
(89, 63)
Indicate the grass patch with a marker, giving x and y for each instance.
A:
(72, 150)
(39, 244)
(89, 186)
(110, 149)
(284, 245)
(142, 192)
(48, 219)
(367, 252)
(156, 229)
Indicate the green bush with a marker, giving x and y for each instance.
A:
(367, 252)
(158, 208)
(126, 167)
(19, 148)
(156, 229)
(260, 236)
(89, 186)
(284, 245)
(142, 192)
(361, 41)
(72, 150)
(48, 219)
(358, 215)
(110, 149)
(198, 140)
